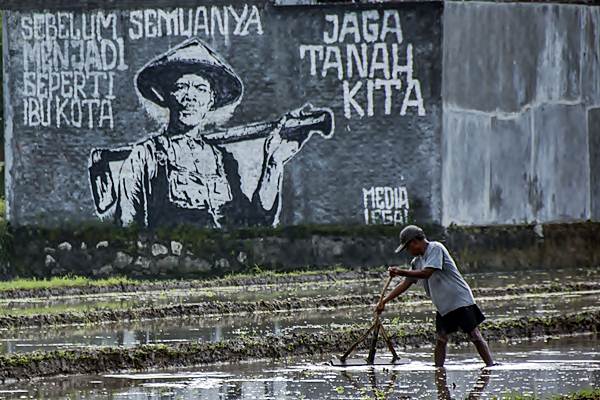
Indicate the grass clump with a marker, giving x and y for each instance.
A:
(583, 394)
(62, 282)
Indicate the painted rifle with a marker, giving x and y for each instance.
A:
(104, 163)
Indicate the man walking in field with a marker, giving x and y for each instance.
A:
(451, 295)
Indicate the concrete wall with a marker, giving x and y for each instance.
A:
(520, 141)
(357, 155)
(521, 90)
(40, 253)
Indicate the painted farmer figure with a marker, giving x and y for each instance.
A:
(181, 175)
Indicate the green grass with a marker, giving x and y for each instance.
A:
(584, 394)
(80, 281)
(61, 282)
(258, 272)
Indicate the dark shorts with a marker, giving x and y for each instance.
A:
(466, 318)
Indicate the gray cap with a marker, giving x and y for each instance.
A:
(407, 234)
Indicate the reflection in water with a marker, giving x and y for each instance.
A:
(386, 389)
(443, 392)
(543, 368)
(536, 372)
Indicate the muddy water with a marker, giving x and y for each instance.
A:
(176, 296)
(541, 368)
(262, 292)
(224, 327)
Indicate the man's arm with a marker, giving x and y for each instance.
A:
(135, 172)
(269, 185)
(425, 273)
(277, 152)
(398, 290)
(432, 263)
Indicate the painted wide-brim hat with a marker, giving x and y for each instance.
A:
(156, 79)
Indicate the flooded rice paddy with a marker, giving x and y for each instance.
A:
(541, 367)
(326, 287)
(216, 328)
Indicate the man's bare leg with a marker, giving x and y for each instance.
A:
(481, 346)
(441, 382)
(439, 353)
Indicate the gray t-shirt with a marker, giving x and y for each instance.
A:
(446, 287)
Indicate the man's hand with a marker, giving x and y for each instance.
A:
(398, 290)
(280, 150)
(277, 149)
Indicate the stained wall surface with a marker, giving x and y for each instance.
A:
(521, 94)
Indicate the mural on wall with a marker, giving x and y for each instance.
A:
(386, 205)
(185, 173)
(221, 114)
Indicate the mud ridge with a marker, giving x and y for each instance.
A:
(94, 361)
(150, 286)
(218, 307)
